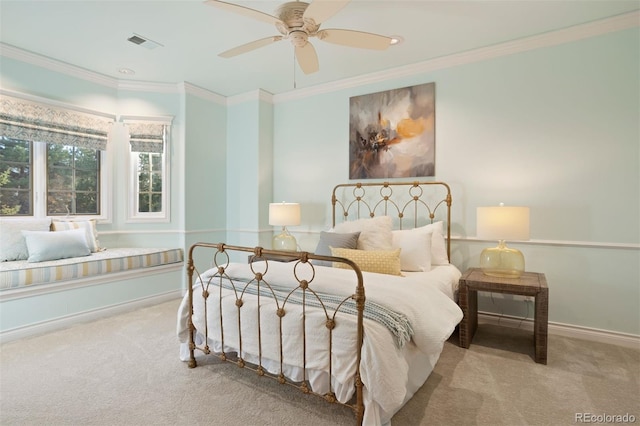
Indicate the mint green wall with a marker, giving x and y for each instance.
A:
(556, 129)
(205, 182)
(249, 170)
(265, 171)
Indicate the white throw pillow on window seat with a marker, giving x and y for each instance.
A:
(12, 243)
(89, 227)
(44, 246)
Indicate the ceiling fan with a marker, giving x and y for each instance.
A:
(297, 21)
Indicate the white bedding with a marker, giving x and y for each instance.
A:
(390, 374)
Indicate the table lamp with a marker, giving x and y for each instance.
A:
(284, 214)
(502, 223)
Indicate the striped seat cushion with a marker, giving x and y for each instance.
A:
(21, 273)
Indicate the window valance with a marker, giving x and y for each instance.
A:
(25, 120)
(147, 136)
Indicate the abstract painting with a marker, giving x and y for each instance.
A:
(392, 133)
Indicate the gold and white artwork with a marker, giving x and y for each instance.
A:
(392, 133)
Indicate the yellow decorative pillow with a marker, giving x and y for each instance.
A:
(380, 261)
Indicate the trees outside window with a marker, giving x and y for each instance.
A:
(149, 182)
(16, 189)
(73, 180)
(72, 183)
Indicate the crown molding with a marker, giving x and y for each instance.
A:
(552, 38)
(144, 86)
(254, 95)
(205, 94)
(12, 52)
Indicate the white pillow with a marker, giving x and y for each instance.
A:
(88, 225)
(12, 244)
(438, 244)
(375, 232)
(415, 248)
(56, 245)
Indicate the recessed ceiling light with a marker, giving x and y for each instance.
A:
(396, 39)
(126, 71)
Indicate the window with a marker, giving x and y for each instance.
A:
(73, 180)
(149, 180)
(72, 184)
(51, 161)
(16, 188)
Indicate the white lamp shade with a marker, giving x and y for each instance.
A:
(284, 214)
(503, 223)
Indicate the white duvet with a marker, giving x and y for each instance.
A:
(390, 374)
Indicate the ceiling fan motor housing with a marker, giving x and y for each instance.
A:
(291, 13)
(294, 25)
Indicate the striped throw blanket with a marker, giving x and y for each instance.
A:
(397, 323)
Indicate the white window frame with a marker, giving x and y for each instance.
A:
(39, 168)
(39, 183)
(133, 215)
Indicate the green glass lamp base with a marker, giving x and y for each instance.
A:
(502, 261)
(284, 241)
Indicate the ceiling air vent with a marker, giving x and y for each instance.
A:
(143, 41)
(137, 40)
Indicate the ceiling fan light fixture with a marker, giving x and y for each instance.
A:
(298, 38)
(396, 39)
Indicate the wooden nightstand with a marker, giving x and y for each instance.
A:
(529, 284)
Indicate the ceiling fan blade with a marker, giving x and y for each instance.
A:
(251, 13)
(249, 46)
(321, 10)
(355, 39)
(307, 58)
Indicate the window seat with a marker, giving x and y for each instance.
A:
(19, 274)
(45, 296)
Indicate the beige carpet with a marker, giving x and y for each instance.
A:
(124, 370)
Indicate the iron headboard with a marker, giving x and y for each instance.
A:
(415, 202)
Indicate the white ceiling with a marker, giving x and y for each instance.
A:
(92, 34)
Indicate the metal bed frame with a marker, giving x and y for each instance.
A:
(404, 201)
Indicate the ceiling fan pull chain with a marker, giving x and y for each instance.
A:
(294, 70)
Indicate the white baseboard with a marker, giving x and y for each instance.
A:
(566, 330)
(90, 315)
